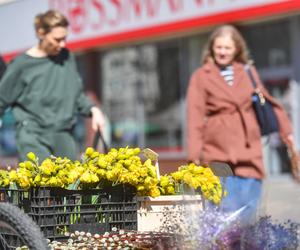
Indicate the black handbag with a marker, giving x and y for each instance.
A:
(264, 111)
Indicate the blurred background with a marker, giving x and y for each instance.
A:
(136, 57)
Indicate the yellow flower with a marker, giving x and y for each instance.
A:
(94, 178)
(140, 188)
(86, 177)
(109, 175)
(13, 175)
(37, 179)
(164, 181)
(31, 156)
(187, 178)
(29, 165)
(94, 155)
(89, 151)
(170, 190)
(177, 175)
(101, 172)
(154, 192)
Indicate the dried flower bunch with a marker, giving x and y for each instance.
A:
(213, 229)
(117, 239)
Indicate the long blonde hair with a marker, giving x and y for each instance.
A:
(49, 20)
(242, 54)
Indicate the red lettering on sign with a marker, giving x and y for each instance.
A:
(100, 10)
(117, 5)
(152, 7)
(77, 15)
(98, 14)
(175, 5)
(199, 2)
(136, 5)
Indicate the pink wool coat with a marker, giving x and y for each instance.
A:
(221, 121)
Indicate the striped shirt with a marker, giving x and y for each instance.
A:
(227, 73)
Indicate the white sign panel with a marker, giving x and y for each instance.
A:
(100, 18)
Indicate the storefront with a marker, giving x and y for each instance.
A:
(136, 57)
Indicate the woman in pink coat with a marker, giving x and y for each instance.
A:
(222, 125)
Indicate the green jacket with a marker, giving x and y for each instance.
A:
(46, 93)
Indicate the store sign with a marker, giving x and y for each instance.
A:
(90, 17)
(98, 22)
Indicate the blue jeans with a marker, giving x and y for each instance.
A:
(243, 196)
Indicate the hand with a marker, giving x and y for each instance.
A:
(295, 164)
(294, 157)
(98, 120)
(197, 162)
(289, 140)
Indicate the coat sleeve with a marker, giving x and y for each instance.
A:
(285, 125)
(84, 104)
(11, 86)
(195, 117)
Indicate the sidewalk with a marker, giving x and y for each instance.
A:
(281, 198)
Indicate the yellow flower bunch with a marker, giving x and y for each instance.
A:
(52, 172)
(4, 178)
(25, 174)
(120, 166)
(57, 172)
(198, 177)
(167, 185)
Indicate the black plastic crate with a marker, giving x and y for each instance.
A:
(57, 210)
(18, 197)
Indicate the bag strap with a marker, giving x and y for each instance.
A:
(249, 72)
(254, 84)
(99, 136)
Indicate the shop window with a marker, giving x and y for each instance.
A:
(269, 43)
(164, 118)
(141, 96)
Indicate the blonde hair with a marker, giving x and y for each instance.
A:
(49, 20)
(242, 54)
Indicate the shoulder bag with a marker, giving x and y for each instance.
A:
(264, 111)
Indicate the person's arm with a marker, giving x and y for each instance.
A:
(285, 129)
(98, 120)
(11, 86)
(195, 118)
(87, 108)
(2, 67)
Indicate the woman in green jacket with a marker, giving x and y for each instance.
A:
(45, 92)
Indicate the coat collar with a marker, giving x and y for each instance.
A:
(214, 72)
(211, 66)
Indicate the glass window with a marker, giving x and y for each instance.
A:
(269, 43)
(141, 95)
(164, 119)
(122, 96)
